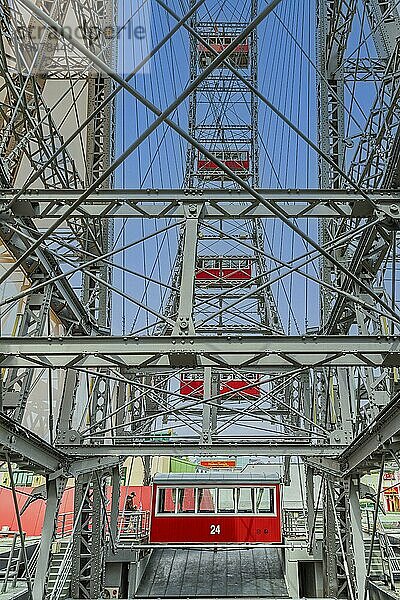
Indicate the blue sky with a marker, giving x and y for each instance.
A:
(287, 77)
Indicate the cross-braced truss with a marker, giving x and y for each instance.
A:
(175, 277)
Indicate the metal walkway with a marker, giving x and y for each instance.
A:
(202, 573)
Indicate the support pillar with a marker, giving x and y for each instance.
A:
(184, 322)
(357, 537)
(206, 436)
(310, 505)
(55, 489)
(115, 482)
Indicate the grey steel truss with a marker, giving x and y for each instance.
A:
(76, 396)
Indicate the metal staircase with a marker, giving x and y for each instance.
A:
(59, 579)
(9, 573)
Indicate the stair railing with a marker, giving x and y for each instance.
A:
(8, 572)
(63, 572)
(390, 560)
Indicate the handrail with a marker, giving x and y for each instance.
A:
(389, 558)
(295, 524)
(65, 524)
(133, 525)
(9, 564)
(63, 572)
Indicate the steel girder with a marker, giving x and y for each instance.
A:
(96, 239)
(229, 448)
(41, 266)
(28, 450)
(45, 205)
(382, 435)
(152, 354)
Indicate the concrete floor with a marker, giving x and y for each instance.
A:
(201, 573)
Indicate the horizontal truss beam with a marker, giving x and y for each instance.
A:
(25, 448)
(157, 353)
(382, 435)
(221, 204)
(191, 449)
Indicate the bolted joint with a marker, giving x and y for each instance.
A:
(389, 216)
(69, 437)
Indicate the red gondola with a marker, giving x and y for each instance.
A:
(193, 384)
(216, 508)
(239, 57)
(220, 271)
(235, 160)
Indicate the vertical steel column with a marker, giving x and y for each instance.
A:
(64, 433)
(215, 388)
(80, 569)
(89, 538)
(20, 530)
(310, 503)
(184, 322)
(358, 538)
(98, 537)
(55, 490)
(206, 436)
(331, 584)
(116, 488)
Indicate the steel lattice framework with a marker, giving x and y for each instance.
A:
(78, 393)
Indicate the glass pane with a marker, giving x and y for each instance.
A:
(226, 500)
(186, 500)
(245, 500)
(265, 500)
(166, 500)
(205, 500)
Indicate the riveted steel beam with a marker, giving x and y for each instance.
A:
(381, 435)
(218, 203)
(158, 353)
(233, 448)
(25, 448)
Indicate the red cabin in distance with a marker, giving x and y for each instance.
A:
(238, 58)
(192, 384)
(236, 160)
(215, 508)
(222, 271)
